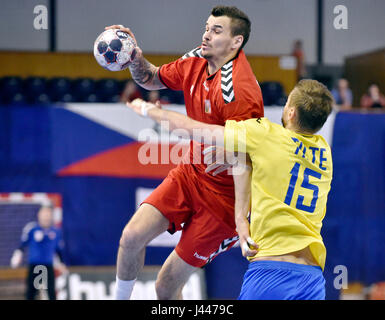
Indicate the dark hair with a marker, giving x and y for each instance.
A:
(240, 23)
(314, 103)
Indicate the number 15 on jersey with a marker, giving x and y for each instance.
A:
(305, 184)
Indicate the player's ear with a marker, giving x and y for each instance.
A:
(237, 42)
(292, 113)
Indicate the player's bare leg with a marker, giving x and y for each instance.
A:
(172, 277)
(146, 224)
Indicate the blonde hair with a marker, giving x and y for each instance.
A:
(313, 102)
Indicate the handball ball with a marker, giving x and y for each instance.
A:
(114, 50)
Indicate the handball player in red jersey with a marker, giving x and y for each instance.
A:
(218, 85)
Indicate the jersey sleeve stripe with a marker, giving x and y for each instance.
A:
(161, 80)
(27, 228)
(227, 82)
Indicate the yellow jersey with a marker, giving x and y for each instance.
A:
(290, 183)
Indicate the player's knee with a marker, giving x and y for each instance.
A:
(130, 238)
(164, 290)
(168, 287)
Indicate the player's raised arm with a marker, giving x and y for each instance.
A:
(196, 129)
(143, 72)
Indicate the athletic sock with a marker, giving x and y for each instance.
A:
(123, 289)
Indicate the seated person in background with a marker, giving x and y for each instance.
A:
(342, 95)
(373, 98)
(154, 96)
(130, 92)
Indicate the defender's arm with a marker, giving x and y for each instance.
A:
(195, 129)
(242, 186)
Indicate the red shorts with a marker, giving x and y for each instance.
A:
(188, 205)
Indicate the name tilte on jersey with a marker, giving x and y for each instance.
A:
(312, 152)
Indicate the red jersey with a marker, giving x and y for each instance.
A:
(232, 93)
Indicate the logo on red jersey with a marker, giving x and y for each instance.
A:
(207, 106)
(206, 87)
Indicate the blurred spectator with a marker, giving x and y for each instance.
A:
(43, 241)
(154, 96)
(342, 94)
(373, 98)
(299, 54)
(130, 92)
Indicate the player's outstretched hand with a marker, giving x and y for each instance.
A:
(124, 29)
(141, 107)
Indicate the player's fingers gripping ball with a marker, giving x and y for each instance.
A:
(114, 49)
(124, 29)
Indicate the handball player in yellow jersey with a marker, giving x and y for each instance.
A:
(286, 190)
